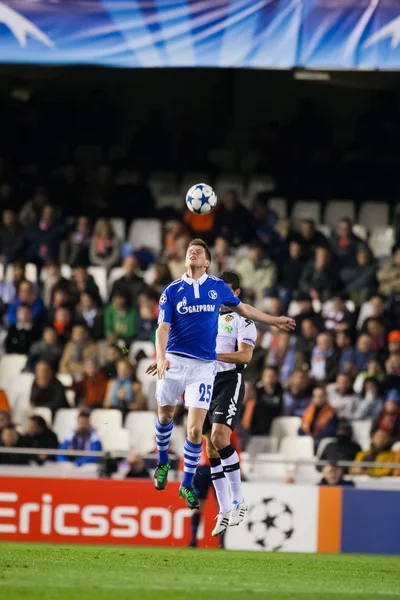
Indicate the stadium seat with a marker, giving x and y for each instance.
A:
(307, 209)
(381, 241)
(140, 425)
(285, 426)
(70, 395)
(66, 271)
(365, 313)
(260, 184)
(19, 395)
(178, 438)
(227, 182)
(151, 395)
(323, 444)
(362, 433)
(106, 420)
(99, 274)
(374, 214)
(66, 379)
(175, 201)
(325, 230)
(361, 232)
(146, 233)
(117, 440)
(30, 272)
(65, 422)
(147, 347)
(10, 366)
(260, 444)
(338, 209)
(119, 227)
(141, 376)
(297, 446)
(279, 205)
(115, 273)
(268, 468)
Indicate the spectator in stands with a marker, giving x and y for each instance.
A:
(130, 284)
(394, 341)
(23, 334)
(376, 331)
(290, 272)
(371, 402)
(297, 396)
(199, 226)
(343, 340)
(282, 355)
(137, 468)
(5, 414)
(30, 212)
(389, 276)
(334, 475)
(124, 392)
(320, 276)
(10, 236)
(119, 319)
(265, 405)
(42, 239)
(105, 247)
(254, 369)
(389, 418)
(46, 389)
(91, 389)
(113, 355)
(10, 438)
(392, 366)
(345, 243)
(81, 282)
(146, 324)
(61, 299)
(233, 220)
(279, 247)
(257, 272)
(175, 230)
(39, 435)
(319, 420)
(52, 280)
(343, 448)
(62, 323)
(222, 256)
(359, 281)
(306, 340)
(84, 438)
(375, 370)
(75, 249)
(310, 238)
(306, 311)
(28, 297)
(342, 398)
(9, 288)
(324, 364)
(379, 452)
(377, 311)
(265, 219)
(336, 313)
(176, 263)
(354, 360)
(76, 351)
(89, 313)
(48, 349)
(161, 277)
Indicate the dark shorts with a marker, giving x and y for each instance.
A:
(202, 481)
(226, 400)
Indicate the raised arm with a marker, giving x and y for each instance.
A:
(249, 312)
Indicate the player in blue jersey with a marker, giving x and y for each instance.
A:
(186, 357)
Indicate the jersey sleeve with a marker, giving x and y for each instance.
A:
(247, 332)
(228, 298)
(165, 307)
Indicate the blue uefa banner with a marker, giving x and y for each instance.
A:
(342, 34)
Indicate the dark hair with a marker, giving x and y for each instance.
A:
(200, 242)
(40, 422)
(85, 414)
(346, 429)
(230, 277)
(375, 382)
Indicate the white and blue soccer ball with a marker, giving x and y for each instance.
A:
(201, 199)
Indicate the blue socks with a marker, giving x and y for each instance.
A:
(191, 457)
(163, 436)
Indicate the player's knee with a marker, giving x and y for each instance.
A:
(195, 433)
(165, 415)
(219, 439)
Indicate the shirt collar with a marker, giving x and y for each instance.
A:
(190, 281)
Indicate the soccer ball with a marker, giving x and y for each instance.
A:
(201, 199)
(270, 523)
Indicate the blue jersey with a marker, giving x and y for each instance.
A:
(192, 309)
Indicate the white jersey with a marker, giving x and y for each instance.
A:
(232, 329)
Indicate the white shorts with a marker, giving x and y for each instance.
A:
(189, 376)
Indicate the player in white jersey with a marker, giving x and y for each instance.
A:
(185, 347)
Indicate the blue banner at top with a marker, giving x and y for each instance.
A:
(338, 34)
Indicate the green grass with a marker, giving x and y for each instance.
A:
(52, 572)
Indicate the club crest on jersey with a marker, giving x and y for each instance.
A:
(163, 299)
(228, 318)
(213, 294)
(183, 308)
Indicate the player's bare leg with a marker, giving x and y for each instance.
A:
(191, 455)
(164, 426)
(221, 487)
(221, 440)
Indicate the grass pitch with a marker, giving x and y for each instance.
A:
(52, 572)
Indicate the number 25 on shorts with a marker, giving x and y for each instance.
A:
(205, 392)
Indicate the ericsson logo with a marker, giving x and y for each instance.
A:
(183, 308)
